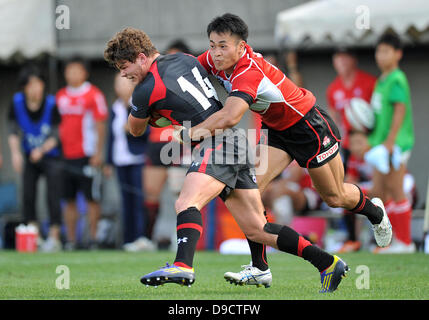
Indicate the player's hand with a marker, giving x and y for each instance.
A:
(96, 160)
(378, 157)
(36, 155)
(108, 170)
(389, 145)
(181, 134)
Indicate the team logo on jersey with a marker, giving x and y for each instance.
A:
(327, 154)
(326, 141)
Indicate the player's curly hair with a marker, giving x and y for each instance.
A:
(126, 46)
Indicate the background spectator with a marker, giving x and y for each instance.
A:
(349, 83)
(126, 154)
(33, 131)
(84, 112)
(392, 140)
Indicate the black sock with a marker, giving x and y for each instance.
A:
(258, 252)
(189, 229)
(259, 255)
(292, 242)
(368, 209)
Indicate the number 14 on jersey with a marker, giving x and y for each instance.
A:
(205, 84)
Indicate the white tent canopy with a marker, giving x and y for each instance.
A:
(324, 23)
(26, 27)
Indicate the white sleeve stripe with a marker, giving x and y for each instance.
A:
(208, 60)
(251, 62)
(284, 77)
(101, 104)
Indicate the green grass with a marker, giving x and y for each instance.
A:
(116, 274)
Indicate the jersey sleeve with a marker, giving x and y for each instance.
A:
(247, 81)
(140, 101)
(397, 93)
(99, 106)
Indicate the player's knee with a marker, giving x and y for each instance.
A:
(333, 200)
(254, 234)
(182, 204)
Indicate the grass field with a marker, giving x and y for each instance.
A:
(116, 274)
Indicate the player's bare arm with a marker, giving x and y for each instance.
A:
(137, 126)
(229, 116)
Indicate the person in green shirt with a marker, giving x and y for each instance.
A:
(392, 140)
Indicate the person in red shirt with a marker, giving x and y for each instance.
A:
(84, 113)
(296, 127)
(349, 83)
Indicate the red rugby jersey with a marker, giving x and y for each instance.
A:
(276, 98)
(79, 109)
(338, 96)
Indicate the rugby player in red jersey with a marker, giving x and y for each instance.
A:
(84, 113)
(177, 87)
(297, 128)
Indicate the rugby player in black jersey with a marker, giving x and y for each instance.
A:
(177, 87)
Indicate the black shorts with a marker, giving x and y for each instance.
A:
(154, 154)
(226, 158)
(78, 175)
(312, 141)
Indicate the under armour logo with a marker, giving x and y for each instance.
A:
(196, 164)
(184, 239)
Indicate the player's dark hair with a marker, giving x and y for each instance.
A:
(391, 39)
(79, 60)
(180, 45)
(229, 23)
(28, 71)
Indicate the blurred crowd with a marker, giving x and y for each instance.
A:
(75, 140)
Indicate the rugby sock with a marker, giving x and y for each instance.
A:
(189, 230)
(402, 212)
(290, 241)
(152, 215)
(368, 209)
(259, 255)
(258, 252)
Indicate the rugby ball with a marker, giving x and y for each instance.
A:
(158, 121)
(360, 115)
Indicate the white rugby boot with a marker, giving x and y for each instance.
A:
(383, 230)
(250, 276)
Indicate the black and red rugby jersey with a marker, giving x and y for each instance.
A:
(178, 88)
